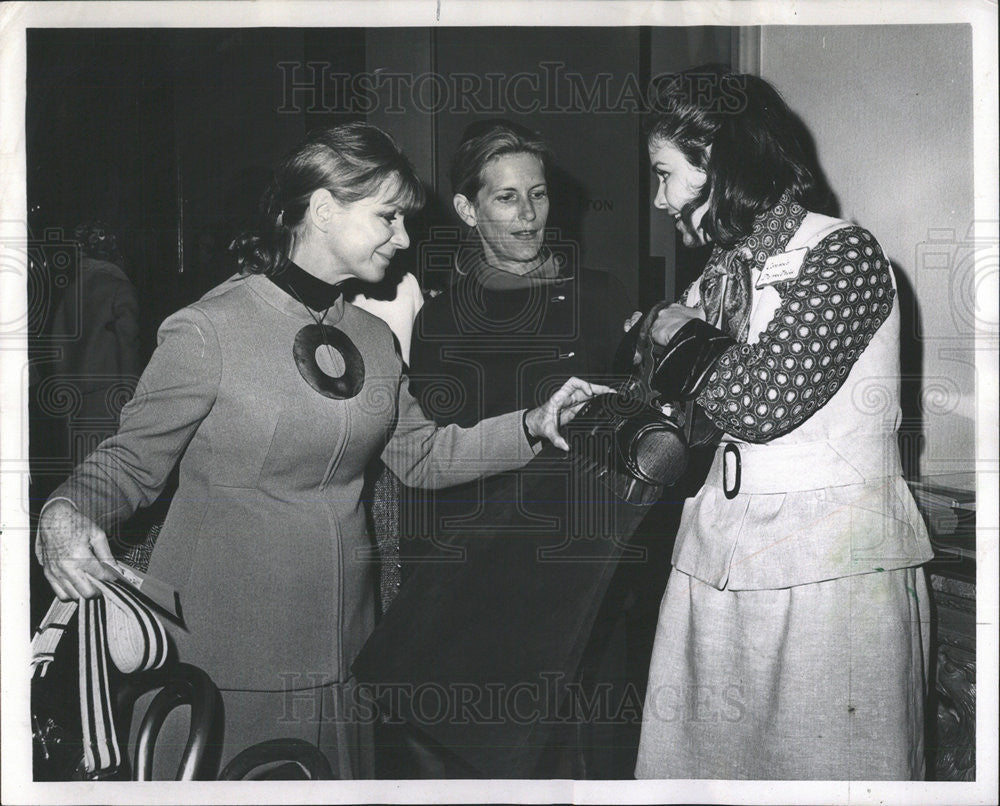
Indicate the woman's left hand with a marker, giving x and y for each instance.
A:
(559, 409)
(671, 319)
(632, 320)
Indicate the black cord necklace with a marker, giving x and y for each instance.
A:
(310, 337)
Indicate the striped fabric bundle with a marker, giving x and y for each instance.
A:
(49, 634)
(116, 625)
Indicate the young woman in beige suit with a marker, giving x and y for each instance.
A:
(792, 636)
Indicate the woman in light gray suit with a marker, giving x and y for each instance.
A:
(273, 393)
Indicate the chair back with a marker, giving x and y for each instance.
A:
(180, 684)
(307, 759)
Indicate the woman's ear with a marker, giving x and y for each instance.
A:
(466, 209)
(322, 207)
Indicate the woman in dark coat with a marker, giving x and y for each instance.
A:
(521, 310)
(480, 559)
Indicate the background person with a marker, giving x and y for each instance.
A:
(96, 325)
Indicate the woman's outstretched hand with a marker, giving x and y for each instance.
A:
(71, 548)
(559, 409)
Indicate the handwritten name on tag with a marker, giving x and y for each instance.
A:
(782, 268)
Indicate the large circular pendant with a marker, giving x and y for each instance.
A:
(308, 340)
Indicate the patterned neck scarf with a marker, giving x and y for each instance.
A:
(726, 284)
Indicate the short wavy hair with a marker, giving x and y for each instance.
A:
(351, 160)
(484, 141)
(752, 147)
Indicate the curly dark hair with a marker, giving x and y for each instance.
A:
(98, 241)
(752, 147)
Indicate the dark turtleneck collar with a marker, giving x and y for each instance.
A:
(552, 267)
(305, 287)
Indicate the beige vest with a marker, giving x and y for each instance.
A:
(825, 500)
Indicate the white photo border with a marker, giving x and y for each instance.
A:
(16, 18)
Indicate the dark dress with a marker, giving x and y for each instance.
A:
(507, 598)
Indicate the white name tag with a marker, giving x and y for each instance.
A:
(782, 268)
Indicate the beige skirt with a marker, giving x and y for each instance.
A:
(818, 681)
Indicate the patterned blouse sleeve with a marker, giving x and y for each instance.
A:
(827, 317)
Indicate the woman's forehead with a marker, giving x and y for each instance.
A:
(389, 192)
(394, 193)
(663, 150)
(508, 167)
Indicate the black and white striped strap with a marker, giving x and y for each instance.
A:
(100, 740)
(137, 640)
(118, 625)
(48, 635)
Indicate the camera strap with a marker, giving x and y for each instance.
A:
(118, 625)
